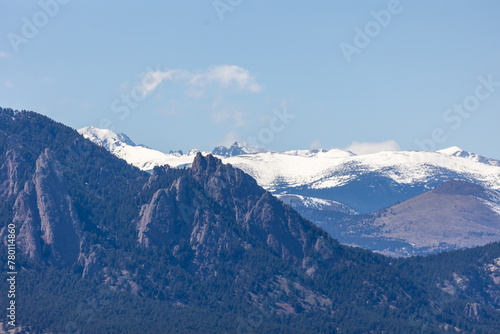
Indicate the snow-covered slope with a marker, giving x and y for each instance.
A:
(336, 168)
(315, 204)
(369, 182)
(458, 152)
(137, 155)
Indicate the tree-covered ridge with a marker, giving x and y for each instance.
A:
(222, 255)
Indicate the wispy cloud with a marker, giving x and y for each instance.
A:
(4, 54)
(226, 76)
(230, 138)
(368, 148)
(151, 80)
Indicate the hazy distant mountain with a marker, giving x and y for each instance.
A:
(104, 247)
(236, 149)
(456, 215)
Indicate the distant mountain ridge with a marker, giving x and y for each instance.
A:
(307, 179)
(236, 149)
(456, 215)
(366, 183)
(458, 152)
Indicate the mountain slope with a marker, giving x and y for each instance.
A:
(139, 156)
(366, 183)
(213, 220)
(332, 187)
(157, 249)
(458, 152)
(455, 215)
(188, 209)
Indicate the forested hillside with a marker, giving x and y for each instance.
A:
(106, 248)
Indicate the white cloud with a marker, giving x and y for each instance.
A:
(315, 145)
(4, 54)
(151, 80)
(9, 84)
(367, 148)
(227, 76)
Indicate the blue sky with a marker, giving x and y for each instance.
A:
(366, 75)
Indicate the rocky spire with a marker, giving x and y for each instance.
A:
(45, 213)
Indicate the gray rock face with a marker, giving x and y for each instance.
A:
(180, 218)
(92, 262)
(162, 221)
(46, 216)
(9, 175)
(28, 218)
(257, 211)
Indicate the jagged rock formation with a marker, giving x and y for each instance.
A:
(200, 207)
(45, 215)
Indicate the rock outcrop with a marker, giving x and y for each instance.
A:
(190, 209)
(9, 174)
(45, 215)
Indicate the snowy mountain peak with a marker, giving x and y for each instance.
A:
(140, 156)
(458, 152)
(236, 149)
(106, 138)
(454, 150)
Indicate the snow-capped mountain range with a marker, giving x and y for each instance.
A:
(329, 186)
(366, 183)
